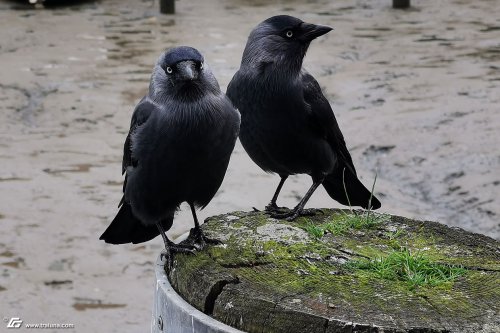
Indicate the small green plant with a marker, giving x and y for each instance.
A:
(414, 268)
(393, 238)
(314, 230)
(344, 223)
(350, 220)
(358, 220)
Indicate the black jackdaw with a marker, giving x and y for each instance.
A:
(181, 136)
(287, 124)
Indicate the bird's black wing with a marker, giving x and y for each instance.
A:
(140, 116)
(125, 227)
(322, 120)
(342, 184)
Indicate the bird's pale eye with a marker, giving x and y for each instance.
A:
(169, 70)
(289, 33)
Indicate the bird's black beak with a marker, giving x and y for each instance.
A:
(312, 31)
(187, 70)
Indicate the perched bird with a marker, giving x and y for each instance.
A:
(181, 136)
(287, 124)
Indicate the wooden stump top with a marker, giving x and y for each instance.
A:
(317, 274)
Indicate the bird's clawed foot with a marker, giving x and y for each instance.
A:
(198, 240)
(311, 212)
(272, 208)
(172, 249)
(296, 212)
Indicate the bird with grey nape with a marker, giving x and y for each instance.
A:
(287, 125)
(181, 137)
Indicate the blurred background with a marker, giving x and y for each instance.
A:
(416, 94)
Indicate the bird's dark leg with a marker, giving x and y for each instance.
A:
(196, 237)
(171, 247)
(299, 209)
(272, 207)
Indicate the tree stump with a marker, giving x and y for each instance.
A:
(327, 274)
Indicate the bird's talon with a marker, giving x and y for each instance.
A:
(271, 207)
(198, 240)
(213, 241)
(293, 214)
(311, 212)
(274, 209)
(183, 248)
(169, 260)
(280, 215)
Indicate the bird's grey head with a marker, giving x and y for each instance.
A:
(181, 73)
(281, 40)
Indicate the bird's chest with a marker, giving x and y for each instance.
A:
(197, 144)
(275, 121)
(186, 136)
(274, 135)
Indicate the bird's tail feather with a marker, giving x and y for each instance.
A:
(354, 193)
(126, 228)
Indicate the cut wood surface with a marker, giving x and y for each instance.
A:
(326, 273)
